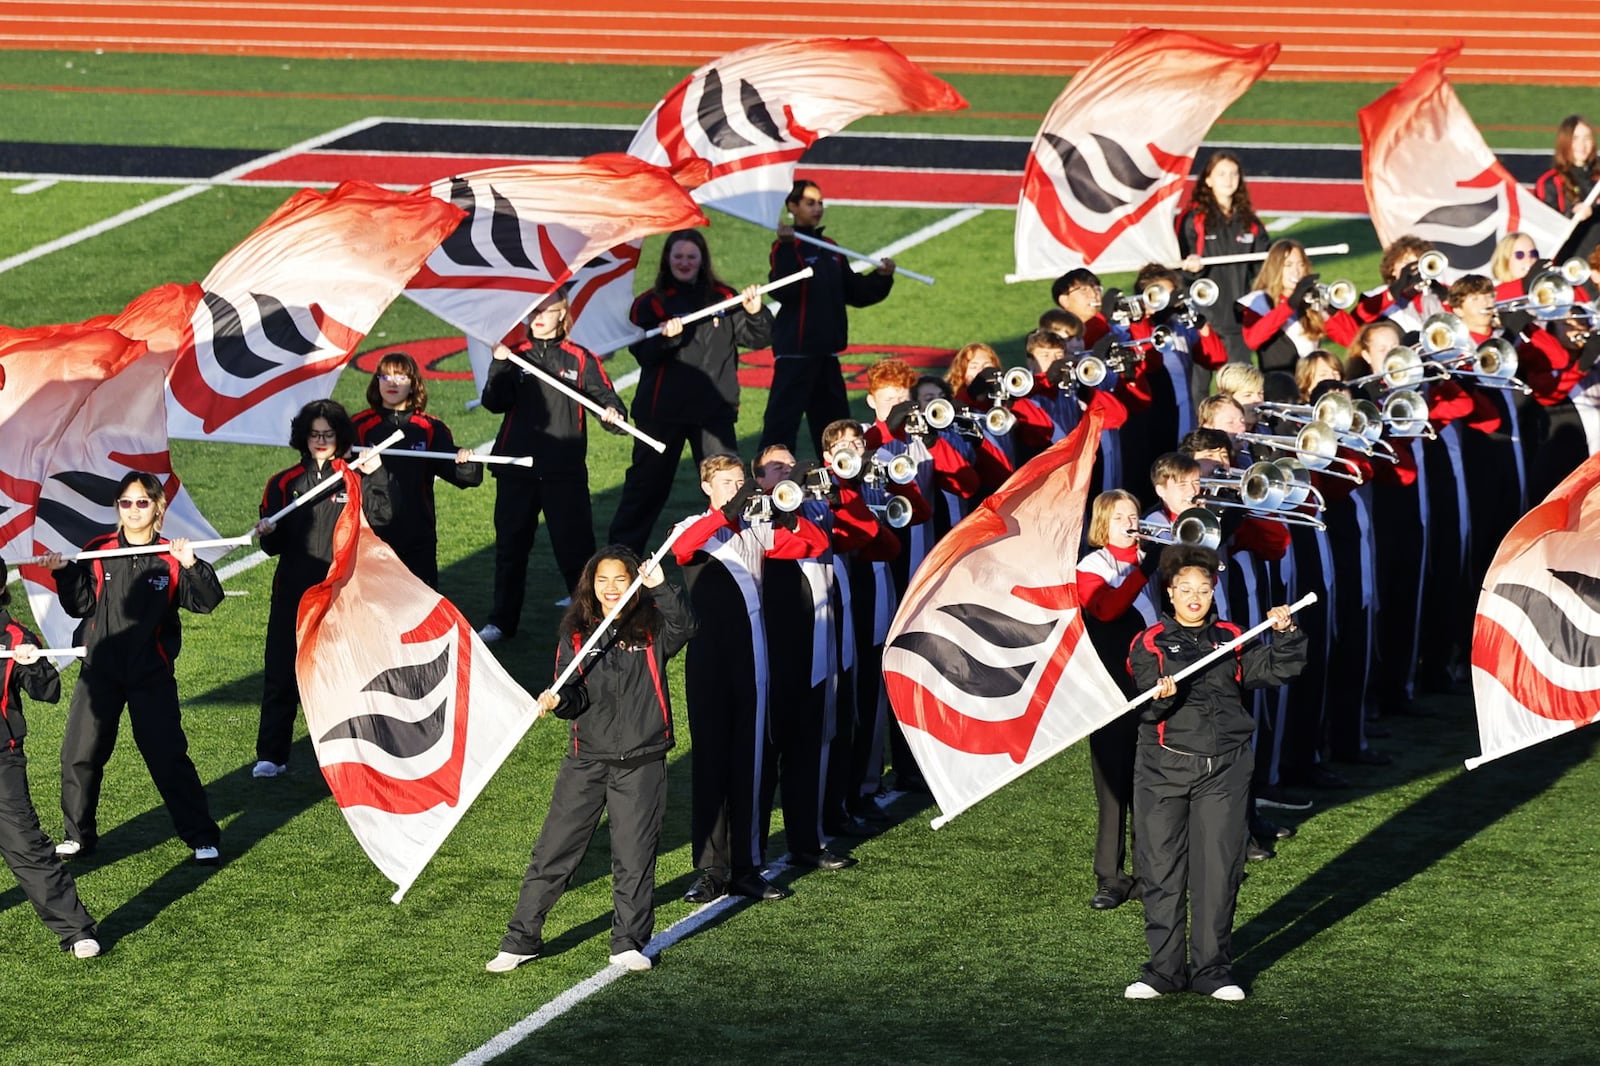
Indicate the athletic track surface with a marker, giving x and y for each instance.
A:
(1373, 42)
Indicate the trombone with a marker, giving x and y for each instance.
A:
(1317, 445)
(1405, 414)
(1549, 295)
(1194, 528)
(1403, 368)
(1263, 490)
(1335, 409)
(1492, 364)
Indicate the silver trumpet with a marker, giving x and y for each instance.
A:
(900, 469)
(1339, 295)
(1575, 270)
(895, 511)
(1194, 528)
(785, 496)
(1317, 445)
(1091, 370)
(942, 414)
(1202, 293)
(1432, 264)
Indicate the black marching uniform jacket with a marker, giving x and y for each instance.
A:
(617, 701)
(540, 421)
(811, 318)
(38, 679)
(693, 377)
(1208, 715)
(129, 606)
(398, 497)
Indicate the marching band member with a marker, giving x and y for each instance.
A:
(1567, 184)
(688, 377)
(129, 611)
(1514, 258)
(1282, 314)
(722, 553)
(27, 851)
(1183, 370)
(955, 507)
(553, 428)
(1372, 343)
(1220, 220)
(974, 378)
(398, 400)
(1405, 297)
(616, 760)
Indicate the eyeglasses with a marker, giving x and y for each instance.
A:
(143, 503)
(318, 434)
(1525, 253)
(395, 379)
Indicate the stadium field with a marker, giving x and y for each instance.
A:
(1424, 915)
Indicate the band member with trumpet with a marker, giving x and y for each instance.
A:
(1170, 346)
(954, 508)
(1192, 777)
(1117, 604)
(688, 377)
(1079, 293)
(1570, 181)
(542, 422)
(128, 607)
(23, 843)
(397, 498)
(1410, 268)
(1287, 313)
(1219, 220)
(803, 663)
(812, 326)
(1013, 427)
(722, 552)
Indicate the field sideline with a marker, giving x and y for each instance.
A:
(1424, 914)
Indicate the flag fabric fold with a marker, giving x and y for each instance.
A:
(528, 228)
(1103, 179)
(1536, 638)
(281, 314)
(1428, 172)
(987, 664)
(409, 714)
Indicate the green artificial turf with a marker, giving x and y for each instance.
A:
(1426, 915)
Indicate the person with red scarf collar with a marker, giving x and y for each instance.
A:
(1281, 318)
(1566, 186)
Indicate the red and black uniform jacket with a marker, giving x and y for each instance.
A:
(38, 679)
(540, 421)
(617, 701)
(398, 497)
(1208, 715)
(1223, 236)
(811, 317)
(129, 606)
(303, 539)
(693, 377)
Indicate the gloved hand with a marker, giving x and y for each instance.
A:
(1111, 303)
(1300, 298)
(789, 520)
(733, 510)
(1406, 284)
(986, 387)
(1514, 324)
(1060, 373)
(896, 418)
(1590, 352)
(1150, 559)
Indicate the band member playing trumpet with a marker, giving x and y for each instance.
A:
(1408, 294)
(1287, 314)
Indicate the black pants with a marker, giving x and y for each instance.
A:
(32, 857)
(634, 800)
(803, 385)
(648, 482)
(91, 734)
(1306, 726)
(1562, 449)
(1111, 754)
(1397, 516)
(1189, 816)
(794, 760)
(1445, 596)
(729, 743)
(280, 687)
(517, 505)
(1345, 702)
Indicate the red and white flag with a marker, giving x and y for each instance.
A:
(1429, 173)
(1536, 640)
(281, 313)
(408, 712)
(987, 663)
(752, 114)
(1102, 182)
(527, 229)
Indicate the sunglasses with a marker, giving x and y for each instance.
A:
(1522, 254)
(143, 504)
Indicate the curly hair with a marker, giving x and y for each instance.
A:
(344, 434)
(1204, 200)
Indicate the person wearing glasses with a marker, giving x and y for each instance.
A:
(303, 542)
(129, 611)
(407, 520)
(812, 326)
(1513, 259)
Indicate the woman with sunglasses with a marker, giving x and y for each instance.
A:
(398, 496)
(303, 543)
(129, 606)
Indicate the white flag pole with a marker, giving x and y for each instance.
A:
(830, 246)
(48, 653)
(605, 623)
(562, 387)
(1256, 257)
(1149, 694)
(476, 457)
(707, 312)
(158, 549)
(329, 483)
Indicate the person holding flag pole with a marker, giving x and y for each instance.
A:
(612, 656)
(1192, 772)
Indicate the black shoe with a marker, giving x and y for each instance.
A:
(848, 826)
(1107, 899)
(1261, 829)
(1367, 757)
(706, 887)
(822, 860)
(870, 812)
(1274, 796)
(1322, 777)
(1255, 852)
(754, 886)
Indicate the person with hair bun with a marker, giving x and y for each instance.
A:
(616, 760)
(129, 610)
(1192, 776)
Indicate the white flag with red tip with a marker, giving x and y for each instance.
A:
(1536, 639)
(1103, 179)
(281, 314)
(1429, 173)
(409, 714)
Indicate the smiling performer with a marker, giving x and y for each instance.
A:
(688, 377)
(129, 606)
(1191, 778)
(616, 760)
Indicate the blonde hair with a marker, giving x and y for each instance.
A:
(1270, 281)
(712, 465)
(1239, 377)
(1100, 515)
(1500, 261)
